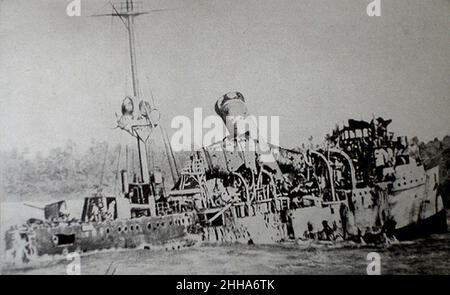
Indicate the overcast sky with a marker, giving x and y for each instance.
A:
(314, 63)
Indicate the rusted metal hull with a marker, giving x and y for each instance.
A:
(25, 244)
(266, 228)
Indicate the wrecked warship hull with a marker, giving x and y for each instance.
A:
(167, 232)
(271, 228)
(228, 194)
(419, 210)
(338, 200)
(314, 218)
(413, 202)
(415, 196)
(258, 229)
(307, 223)
(240, 189)
(434, 224)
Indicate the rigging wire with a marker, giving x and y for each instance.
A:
(172, 172)
(103, 167)
(132, 165)
(171, 153)
(168, 148)
(100, 9)
(126, 158)
(118, 163)
(149, 150)
(150, 157)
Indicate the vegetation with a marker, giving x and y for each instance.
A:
(69, 171)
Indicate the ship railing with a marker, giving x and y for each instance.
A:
(139, 206)
(183, 192)
(262, 193)
(195, 167)
(332, 202)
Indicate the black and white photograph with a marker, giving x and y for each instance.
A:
(224, 137)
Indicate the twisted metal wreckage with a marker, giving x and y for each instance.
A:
(364, 185)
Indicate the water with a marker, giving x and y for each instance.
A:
(429, 255)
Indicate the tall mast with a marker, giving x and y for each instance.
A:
(127, 12)
(130, 20)
(142, 151)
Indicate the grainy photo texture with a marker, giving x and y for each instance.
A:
(224, 137)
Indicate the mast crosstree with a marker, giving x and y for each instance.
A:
(127, 11)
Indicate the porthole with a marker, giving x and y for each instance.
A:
(107, 230)
(125, 229)
(137, 227)
(149, 225)
(131, 227)
(119, 229)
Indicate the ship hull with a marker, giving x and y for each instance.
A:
(416, 205)
(272, 228)
(265, 228)
(23, 245)
(434, 224)
(309, 221)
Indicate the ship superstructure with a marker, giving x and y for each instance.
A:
(362, 184)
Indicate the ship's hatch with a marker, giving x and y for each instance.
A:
(61, 239)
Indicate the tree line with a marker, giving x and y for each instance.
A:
(69, 169)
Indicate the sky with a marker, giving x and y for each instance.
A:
(313, 63)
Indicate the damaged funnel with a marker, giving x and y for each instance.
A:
(234, 113)
(232, 109)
